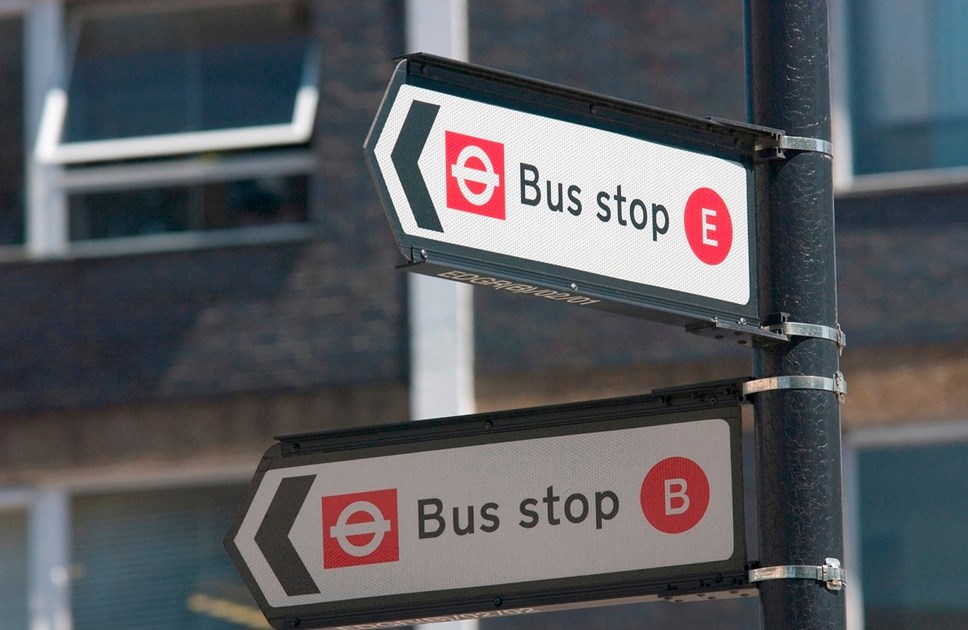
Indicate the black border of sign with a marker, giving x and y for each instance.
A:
(720, 400)
(732, 141)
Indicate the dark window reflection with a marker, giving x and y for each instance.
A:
(140, 73)
(11, 132)
(211, 206)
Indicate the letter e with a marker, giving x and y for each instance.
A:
(708, 227)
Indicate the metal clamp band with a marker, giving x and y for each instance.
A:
(837, 384)
(814, 331)
(831, 574)
(798, 143)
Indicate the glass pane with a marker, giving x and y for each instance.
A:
(11, 132)
(211, 206)
(914, 511)
(155, 560)
(142, 73)
(13, 570)
(909, 80)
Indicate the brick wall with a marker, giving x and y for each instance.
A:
(327, 312)
(330, 312)
(684, 55)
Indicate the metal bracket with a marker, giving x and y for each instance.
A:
(831, 574)
(813, 331)
(780, 143)
(735, 593)
(837, 384)
(740, 332)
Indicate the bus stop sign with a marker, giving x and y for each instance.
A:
(498, 514)
(526, 187)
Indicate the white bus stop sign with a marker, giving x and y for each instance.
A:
(503, 193)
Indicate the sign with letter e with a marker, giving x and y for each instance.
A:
(499, 514)
(527, 187)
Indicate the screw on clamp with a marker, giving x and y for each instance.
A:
(830, 573)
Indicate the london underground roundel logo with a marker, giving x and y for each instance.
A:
(709, 228)
(674, 495)
(475, 175)
(360, 528)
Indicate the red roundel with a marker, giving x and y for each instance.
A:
(475, 175)
(709, 228)
(360, 528)
(675, 495)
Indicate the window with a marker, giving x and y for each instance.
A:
(913, 507)
(148, 80)
(13, 569)
(178, 118)
(11, 131)
(908, 84)
(154, 559)
(210, 206)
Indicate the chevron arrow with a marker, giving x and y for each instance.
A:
(406, 152)
(272, 538)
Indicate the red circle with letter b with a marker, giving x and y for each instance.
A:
(675, 495)
(709, 228)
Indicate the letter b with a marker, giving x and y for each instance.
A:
(676, 499)
(532, 183)
(674, 495)
(424, 516)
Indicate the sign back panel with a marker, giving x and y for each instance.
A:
(493, 513)
(536, 188)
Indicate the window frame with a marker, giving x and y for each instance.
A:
(52, 149)
(913, 434)
(846, 181)
(186, 172)
(48, 185)
(48, 509)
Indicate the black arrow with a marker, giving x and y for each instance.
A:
(406, 152)
(273, 536)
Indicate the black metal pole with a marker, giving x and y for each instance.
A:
(798, 448)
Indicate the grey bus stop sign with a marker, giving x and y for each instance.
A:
(498, 514)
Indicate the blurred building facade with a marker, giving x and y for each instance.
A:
(194, 260)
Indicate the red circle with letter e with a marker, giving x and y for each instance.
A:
(709, 228)
(675, 495)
